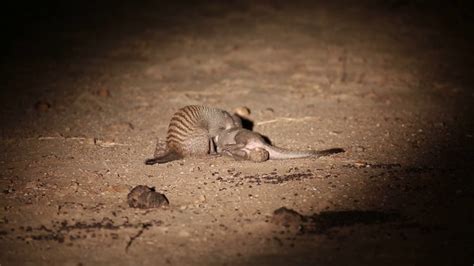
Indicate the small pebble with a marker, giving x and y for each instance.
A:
(184, 233)
(103, 92)
(42, 106)
(359, 149)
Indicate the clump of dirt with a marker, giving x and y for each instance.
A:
(42, 106)
(386, 166)
(60, 231)
(274, 178)
(288, 218)
(102, 92)
(144, 197)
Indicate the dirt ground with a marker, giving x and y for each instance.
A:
(88, 90)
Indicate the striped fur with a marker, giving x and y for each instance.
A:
(191, 132)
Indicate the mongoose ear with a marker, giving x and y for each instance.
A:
(243, 122)
(237, 120)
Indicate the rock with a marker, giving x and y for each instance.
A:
(287, 217)
(242, 111)
(103, 92)
(42, 106)
(144, 197)
(202, 198)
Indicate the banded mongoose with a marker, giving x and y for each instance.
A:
(191, 132)
(243, 144)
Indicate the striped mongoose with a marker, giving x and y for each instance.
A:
(191, 132)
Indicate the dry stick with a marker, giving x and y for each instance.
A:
(108, 144)
(288, 119)
(137, 235)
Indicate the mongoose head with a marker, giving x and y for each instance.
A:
(228, 122)
(232, 121)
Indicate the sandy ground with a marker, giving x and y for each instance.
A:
(85, 98)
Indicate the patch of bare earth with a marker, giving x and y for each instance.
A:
(388, 86)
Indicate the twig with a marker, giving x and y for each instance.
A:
(137, 235)
(98, 142)
(287, 119)
(61, 137)
(107, 144)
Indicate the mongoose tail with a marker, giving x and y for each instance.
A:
(328, 152)
(165, 158)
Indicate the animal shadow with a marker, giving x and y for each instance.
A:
(324, 221)
(249, 124)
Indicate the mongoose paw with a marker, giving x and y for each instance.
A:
(258, 155)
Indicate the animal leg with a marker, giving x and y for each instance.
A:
(212, 147)
(160, 148)
(197, 145)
